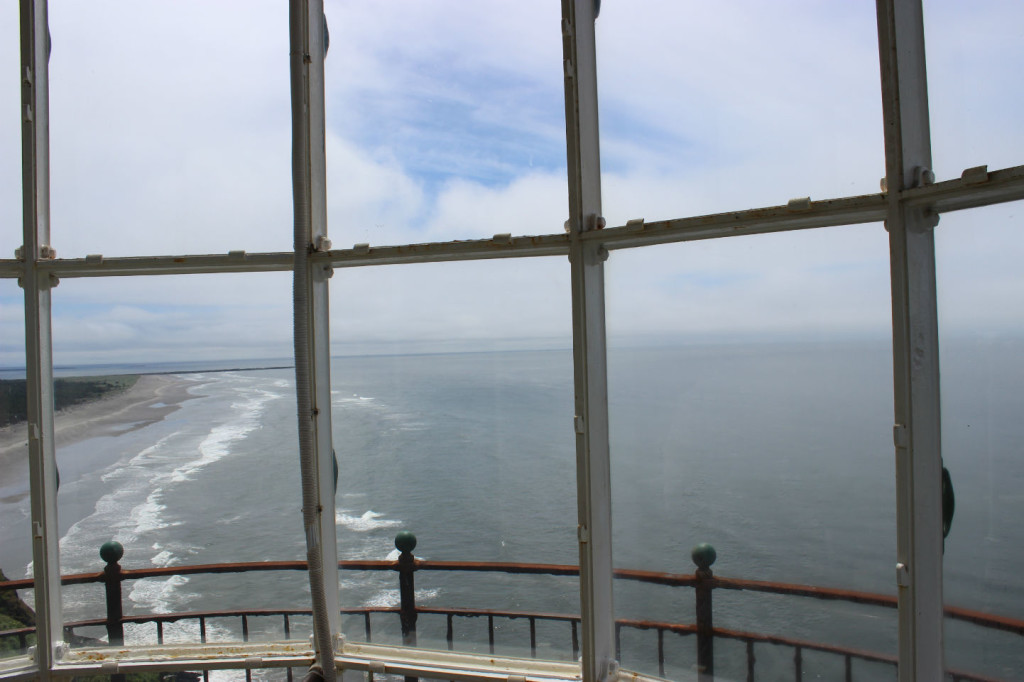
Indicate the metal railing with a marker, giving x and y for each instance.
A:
(703, 582)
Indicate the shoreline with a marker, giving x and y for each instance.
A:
(151, 399)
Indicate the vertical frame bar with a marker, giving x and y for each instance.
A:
(593, 472)
(309, 158)
(917, 429)
(35, 145)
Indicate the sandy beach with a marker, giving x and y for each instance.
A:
(151, 399)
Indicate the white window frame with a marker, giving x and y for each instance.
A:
(910, 208)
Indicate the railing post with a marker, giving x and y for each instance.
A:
(405, 542)
(703, 556)
(111, 552)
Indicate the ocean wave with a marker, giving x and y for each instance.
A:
(355, 399)
(389, 597)
(164, 558)
(370, 520)
(160, 596)
(219, 440)
(141, 460)
(147, 517)
(177, 632)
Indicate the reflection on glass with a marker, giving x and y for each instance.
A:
(734, 107)
(177, 442)
(456, 426)
(981, 307)
(751, 410)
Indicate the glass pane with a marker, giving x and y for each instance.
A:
(453, 403)
(170, 127)
(981, 317)
(750, 399)
(444, 121)
(707, 107)
(974, 54)
(10, 131)
(16, 612)
(178, 442)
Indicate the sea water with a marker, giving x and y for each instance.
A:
(777, 454)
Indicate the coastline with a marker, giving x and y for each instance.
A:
(151, 399)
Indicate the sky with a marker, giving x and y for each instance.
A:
(170, 134)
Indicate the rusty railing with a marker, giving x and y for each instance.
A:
(703, 581)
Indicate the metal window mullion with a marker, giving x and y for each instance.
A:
(38, 338)
(917, 430)
(593, 471)
(312, 154)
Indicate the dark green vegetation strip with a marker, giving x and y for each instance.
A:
(67, 392)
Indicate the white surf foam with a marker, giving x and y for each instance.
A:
(164, 558)
(370, 520)
(159, 595)
(389, 597)
(218, 443)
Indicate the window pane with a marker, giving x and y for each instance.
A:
(750, 399)
(16, 612)
(453, 403)
(183, 450)
(444, 121)
(981, 316)
(10, 132)
(170, 127)
(707, 107)
(15, 512)
(974, 54)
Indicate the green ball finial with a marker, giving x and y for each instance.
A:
(111, 551)
(405, 541)
(703, 556)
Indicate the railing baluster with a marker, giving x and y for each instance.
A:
(202, 629)
(450, 635)
(533, 637)
(661, 652)
(289, 675)
(245, 628)
(366, 627)
(798, 663)
(575, 640)
(248, 675)
(490, 632)
(618, 642)
(287, 633)
(849, 668)
(750, 661)
(159, 632)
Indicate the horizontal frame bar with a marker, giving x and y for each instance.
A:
(975, 189)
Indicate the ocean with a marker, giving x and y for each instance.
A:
(777, 453)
